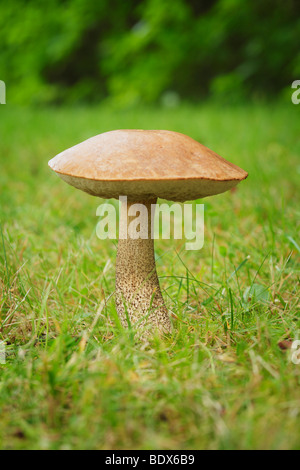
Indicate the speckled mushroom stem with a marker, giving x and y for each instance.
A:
(138, 296)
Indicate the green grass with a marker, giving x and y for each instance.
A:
(221, 381)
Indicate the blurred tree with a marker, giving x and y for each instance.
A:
(135, 51)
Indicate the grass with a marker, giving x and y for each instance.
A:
(76, 381)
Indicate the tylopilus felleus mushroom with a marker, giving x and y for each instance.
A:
(144, 165)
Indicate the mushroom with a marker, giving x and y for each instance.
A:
(144, 165)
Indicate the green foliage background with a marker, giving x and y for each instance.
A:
(143, 51)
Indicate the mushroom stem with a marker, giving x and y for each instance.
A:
(139, 300)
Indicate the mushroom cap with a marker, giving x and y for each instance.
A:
(146, 164)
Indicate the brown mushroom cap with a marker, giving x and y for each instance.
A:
(144, 165)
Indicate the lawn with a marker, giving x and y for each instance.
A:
(73, 379)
